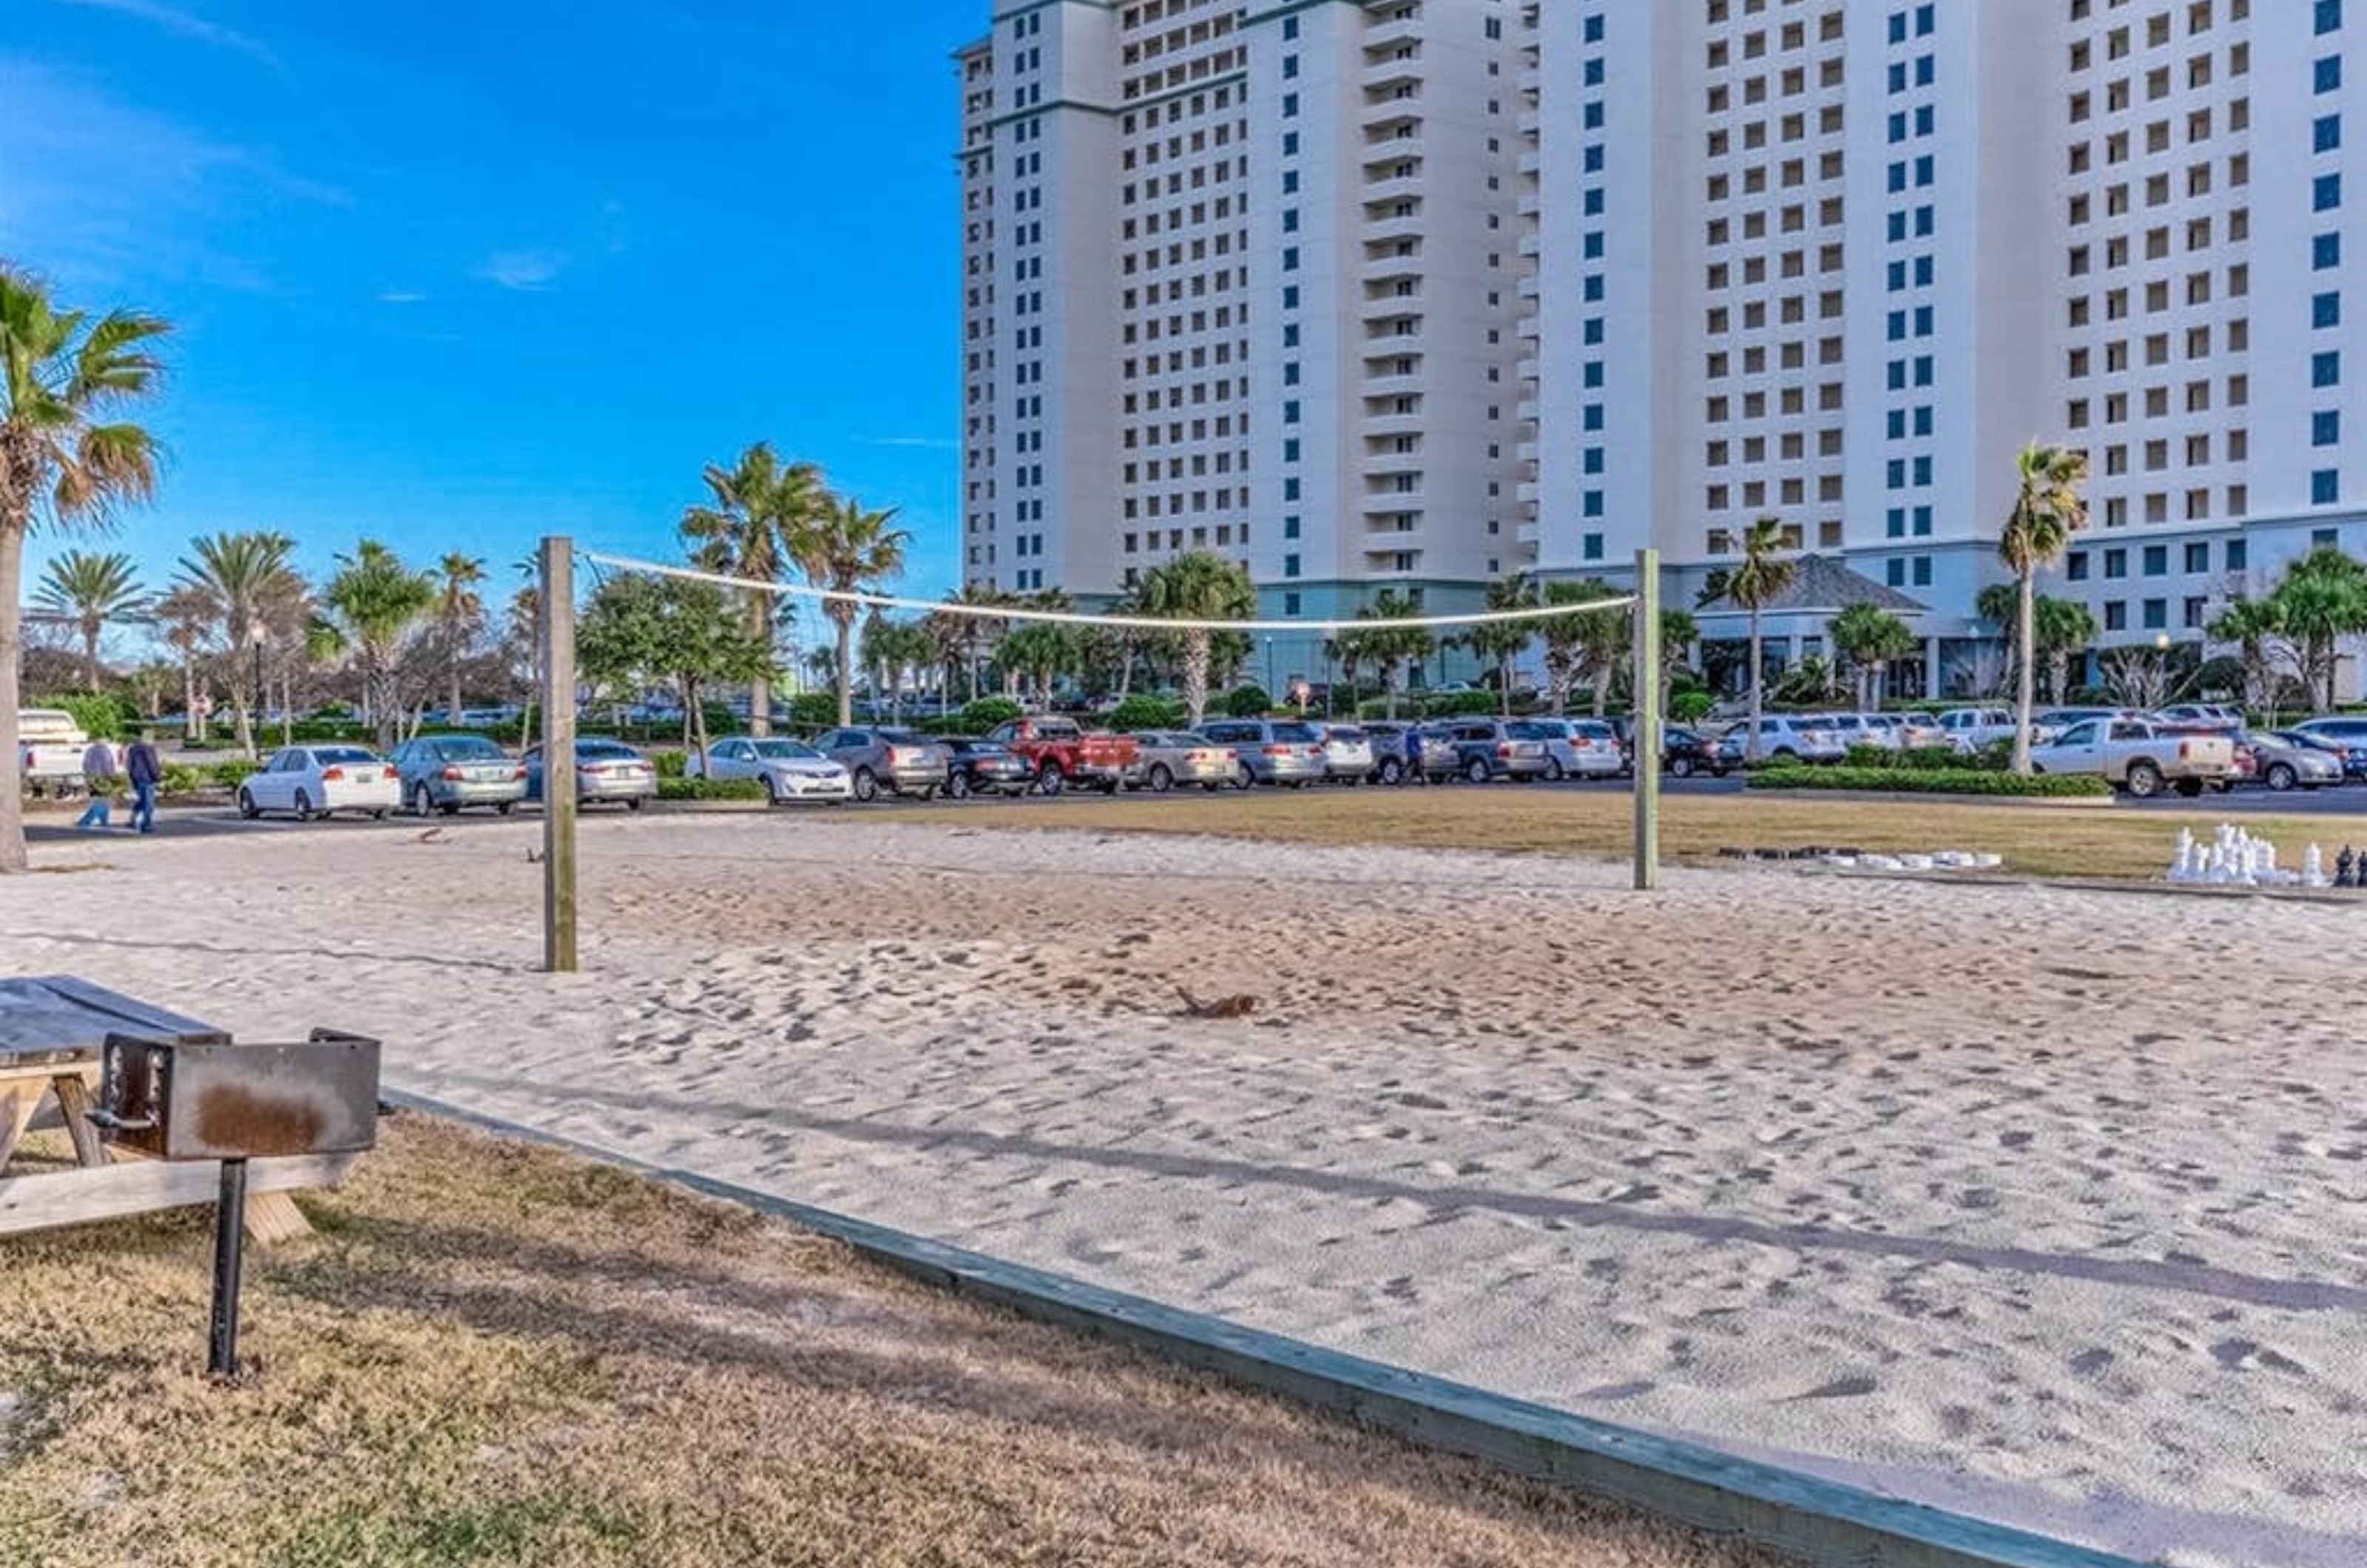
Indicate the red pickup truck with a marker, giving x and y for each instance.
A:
(1059, 752)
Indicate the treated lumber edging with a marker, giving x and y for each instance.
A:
(1823, 1522)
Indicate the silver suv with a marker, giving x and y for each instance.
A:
(898, 761)
(1783, 737)
(1272, 751)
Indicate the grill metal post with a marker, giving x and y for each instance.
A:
(229, 1250)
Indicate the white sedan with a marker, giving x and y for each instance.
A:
(314, 781)
(790, 770)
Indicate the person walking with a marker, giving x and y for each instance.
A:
(99, 771)
(146, 771)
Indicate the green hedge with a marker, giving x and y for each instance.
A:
(1146, 713)
(711, 789)
(1928, 759)
(102, 715)
(1933, 781)
(977, 718)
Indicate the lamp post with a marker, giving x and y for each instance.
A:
(1269, 664)
(256, 631)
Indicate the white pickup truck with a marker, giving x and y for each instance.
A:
(1969, 729)
(2140, 756)
(53, 744)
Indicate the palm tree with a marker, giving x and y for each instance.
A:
(91, 590)
(1763, 574)
(186, 613)
(2250, 624)
(1391, 647)
(459, 612)
(2048, 510)
(61, 376)
(2322, 598)
(1869, 638)
(239, 575)
(969, 636)
(761, 509)
(1572, 641)
(1501, 641)
(1678, 632)
(1198, 586)
(845, 549)
(368, 607)
(2063, 627)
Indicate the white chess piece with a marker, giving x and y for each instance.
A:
(2313, 867)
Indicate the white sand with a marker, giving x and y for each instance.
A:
(2049, 1207)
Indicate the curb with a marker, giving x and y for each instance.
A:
(1940, 797)
(1823, 1522)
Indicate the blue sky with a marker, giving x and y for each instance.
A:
(455, 276)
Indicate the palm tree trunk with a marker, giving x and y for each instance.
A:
(287, 707)
(845, 624)
(243, 697)
(452, 713)
(90, 652)
(1196, 678)
(1504, 682)
(12, 782)
(1389, 690)
(191, 725)
(1750, 742)
(2026, 674)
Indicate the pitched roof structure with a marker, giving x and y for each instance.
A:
(1822, 586)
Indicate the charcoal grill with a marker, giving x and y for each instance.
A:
(200, 1097)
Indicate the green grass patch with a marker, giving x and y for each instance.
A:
(711, 789)
(1934, 781)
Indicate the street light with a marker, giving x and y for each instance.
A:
(256, 631)
(1269, 664)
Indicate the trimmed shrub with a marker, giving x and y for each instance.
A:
(1691, 708)
(102, 715)
(814, 709)
(1933, 781)
(670, 764)
(1146, 713)
(1248, 701)
(977, 718)
(711, 789)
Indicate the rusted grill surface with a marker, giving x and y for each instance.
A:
(213, 1100)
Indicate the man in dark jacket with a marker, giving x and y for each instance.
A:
(146, 771)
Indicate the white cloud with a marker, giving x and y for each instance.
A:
(183, 23)
(526, 271)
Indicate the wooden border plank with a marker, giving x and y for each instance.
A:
(138, 1187)
(1823, 1522)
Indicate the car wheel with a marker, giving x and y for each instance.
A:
(1680, 767)
(2143, 780)
(1553, 770)
(1477, 771)
(303, 806)
(246, 806)
(1243, 778)
(958, 787)
(1161, 779)
(2280, 776)
(451, 810)
(866, 787)
(503, 807)
(1392, 771)
(423, 803)
(1050, 780)
(772, 791)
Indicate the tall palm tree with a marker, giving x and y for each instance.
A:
(2064, 629)
(846, 550)
(240, 576)
(1765, 571)
(2048, 510)
(1572, 640)
(1198, 585)
(186, 613)
(969, 636)
(1869, 637)
(91, 590)
(369, 607)
(459, 612)
(63, 459)
(2322, 598)
(1391, 648)
(760, 509)
(1501, 642)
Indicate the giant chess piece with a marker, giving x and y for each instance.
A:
(2313, 867)
(2346, 868)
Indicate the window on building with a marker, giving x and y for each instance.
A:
(1591, 547)
(2325, 487)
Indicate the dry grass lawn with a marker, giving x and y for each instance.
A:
(496, 1354)
(2036, 841)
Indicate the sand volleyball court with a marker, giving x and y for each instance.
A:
(2046, 1206)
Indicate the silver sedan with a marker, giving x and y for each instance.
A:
(791, 771)
(2283, 761)
(1173, 757)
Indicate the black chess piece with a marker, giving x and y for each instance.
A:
(2346, 868)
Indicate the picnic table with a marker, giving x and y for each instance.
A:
(52, 1029)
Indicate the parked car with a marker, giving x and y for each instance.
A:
(1685, 751)
(1172, 757)
(1914, 731)
(900, 761)
(1787, 738)
(1347, 752)
(1575, 747)
(317, 781)
(604, 770)
(791, 771)
(983, 767)
(1488, 749)
(2139, 756)
(1969, 729)
(1856, 729)
(444, 772)
(2205, 716)
(51, 746)
(1271, 751)
(1059, 751)
(2285, 761)
(2350, 733)
(1387, 739)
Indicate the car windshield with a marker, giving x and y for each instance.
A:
(597, 748)
(469, 748)
(1299, 734)
(902, 738)
(333, 754)
(1346, 735)
(779, 748)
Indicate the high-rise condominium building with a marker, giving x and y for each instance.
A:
(1416, 293)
